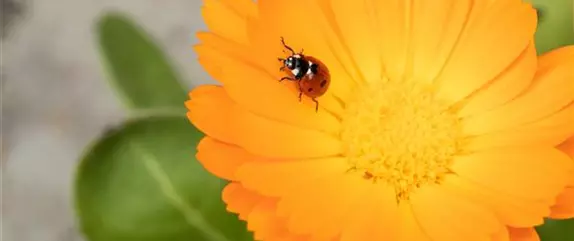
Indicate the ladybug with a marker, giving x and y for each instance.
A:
(312, 76)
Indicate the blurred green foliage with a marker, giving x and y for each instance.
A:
(137, 66)
(141, 181)
(555, 25)
(557, 230)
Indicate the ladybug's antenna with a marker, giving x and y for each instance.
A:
(287, 47)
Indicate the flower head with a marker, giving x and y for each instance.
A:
(440, 122)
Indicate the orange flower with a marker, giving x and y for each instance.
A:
(440, 122)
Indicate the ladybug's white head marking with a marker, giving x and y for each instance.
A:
(290, 62)
(295, 71)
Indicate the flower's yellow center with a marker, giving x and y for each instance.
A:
(401, 134)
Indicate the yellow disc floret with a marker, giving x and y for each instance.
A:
(401, 134)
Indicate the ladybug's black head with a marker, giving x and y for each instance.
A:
(293, 62)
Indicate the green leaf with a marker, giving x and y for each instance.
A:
(141, 182)
(556, 230)
(137, 67)
(555, 25)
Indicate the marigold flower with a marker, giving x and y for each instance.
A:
(440, 122)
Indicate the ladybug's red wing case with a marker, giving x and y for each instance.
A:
(317, 84)
(322, 70)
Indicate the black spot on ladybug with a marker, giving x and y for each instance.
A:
(314, 68)
(310, 89)
(323, 83)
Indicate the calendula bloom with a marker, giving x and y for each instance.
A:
(440, 122)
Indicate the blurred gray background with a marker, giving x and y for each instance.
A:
(55, 100)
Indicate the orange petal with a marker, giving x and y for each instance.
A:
(266, 225)
(266, 47)
(549, 131)
(306, 28)
(221, 159)
(240, 200)
(436, 28)
(445, 216)
(279, 178)
(568, 147)
(523, 234)
(214, 113)
(564, 207)
(502, 235)
(509, 84)
(213, 46)
(510, 209)
(537, 173)
(392, 22)
(290, 237)
(557, 56)
(218, 122)
(409, 226)
(486, 47)
(551, 91)
(263, 221)
(376, 215)
(434, 32)
(227, 17)
(304, 207)
(359, 36)
(335, 205)
(256, 88)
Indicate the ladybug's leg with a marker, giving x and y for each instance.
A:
(316, 104)
(287, 78)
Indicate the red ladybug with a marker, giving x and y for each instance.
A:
(312, 75)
